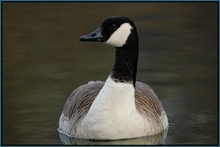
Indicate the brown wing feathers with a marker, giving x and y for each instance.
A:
(81, 99)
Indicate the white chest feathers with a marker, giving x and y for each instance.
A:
(120, 36)
(113, 114)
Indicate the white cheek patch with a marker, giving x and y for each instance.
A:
(120, 36)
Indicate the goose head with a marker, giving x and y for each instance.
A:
(115, 31)
(121, 33)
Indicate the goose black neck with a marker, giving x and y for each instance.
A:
(126, 59)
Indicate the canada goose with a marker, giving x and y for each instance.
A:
(119, 108)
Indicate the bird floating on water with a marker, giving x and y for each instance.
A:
(120, 107)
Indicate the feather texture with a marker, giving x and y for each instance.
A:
(79, 102)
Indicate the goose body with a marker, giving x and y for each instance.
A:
(120, 107)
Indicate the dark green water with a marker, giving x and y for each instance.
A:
(43, 61)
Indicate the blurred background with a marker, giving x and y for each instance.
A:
(43, 62)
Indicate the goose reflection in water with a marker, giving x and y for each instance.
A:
(158, 139)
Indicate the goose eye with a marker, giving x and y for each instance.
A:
(113, 26)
